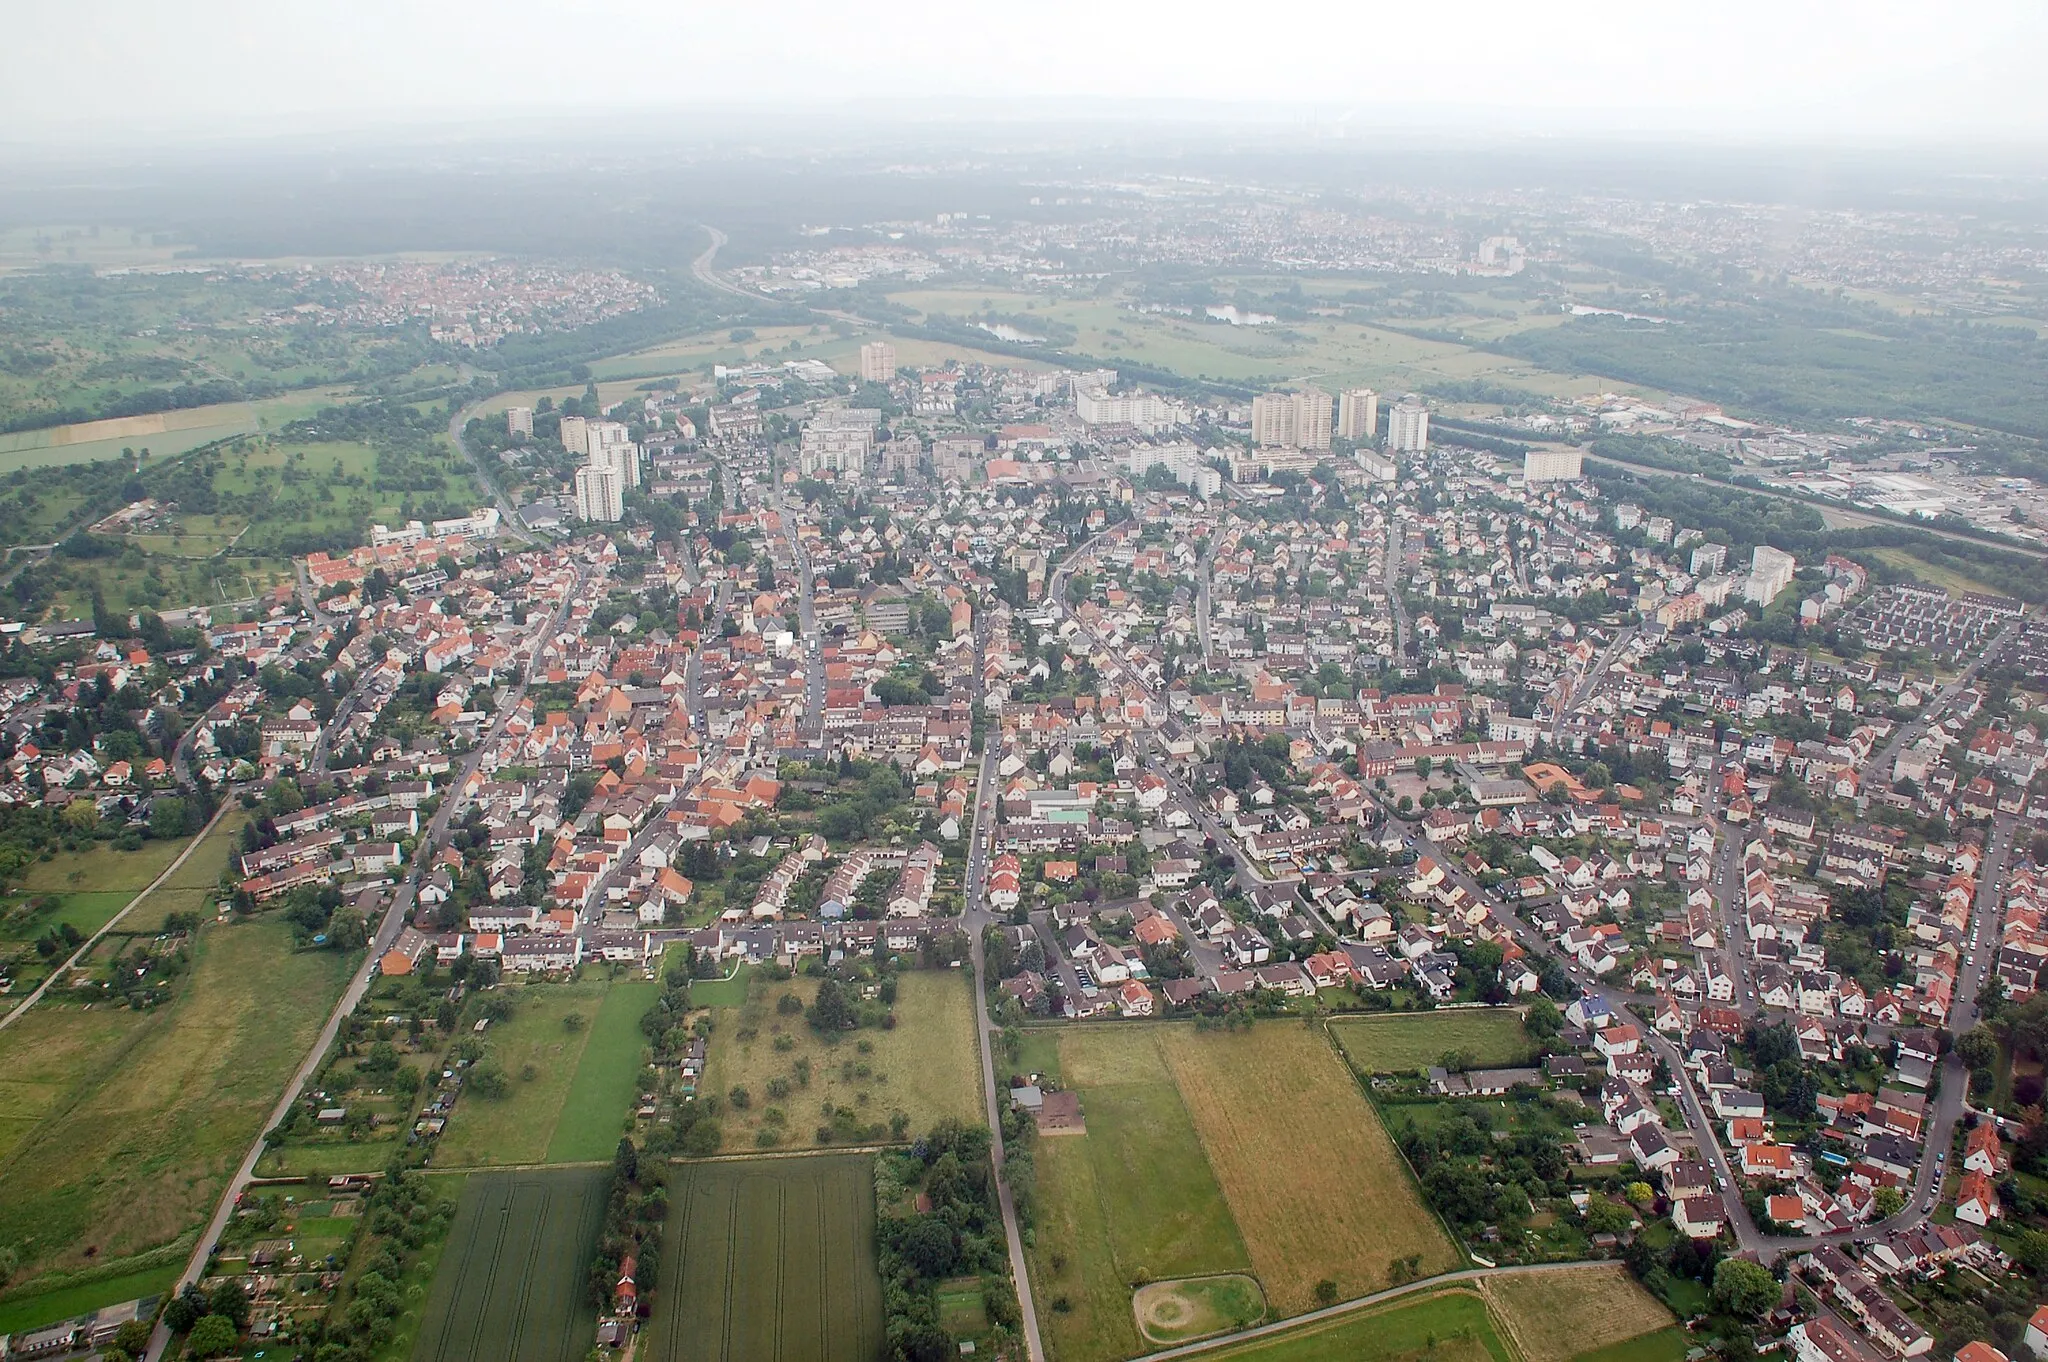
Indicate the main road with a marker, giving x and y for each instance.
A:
(387, 932)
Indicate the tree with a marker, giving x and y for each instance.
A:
(1542, 1021)
(930, 1247)
(1977, 1047)
(1743, 1289)
(211, 1336)
(230, 1300)
(489, 1081)
(1640, 1193)
(1326, 1292)
(1886, 1202)
(831, 1012)
(185, 1309)
(169, 817)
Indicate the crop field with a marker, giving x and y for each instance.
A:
(925, 1067)
(770, 1261)
(161, 433)
(511, 1280)
(601, 1094)
(1410, 1042)
(1445, 1326)
(537, 1039)
(123, 1126)
(1315, 1184)
(1556, 1316)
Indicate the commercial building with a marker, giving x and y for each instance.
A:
(1358, 414)
(519, 421)
(1408, 426)
(877, 362)
(1770, 571)
(599, 494)
(1548, 465)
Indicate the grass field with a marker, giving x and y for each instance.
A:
(925, 1067)
(511, 1280)
(125, 1125)
(1445, 1326)
(520, 1127)
(88, 911)
(1180, 1312)
(1665, 1345)
(162, 433)
(769, 1261)
(1134, 1198)
(1948, 579)
(601, 1094)
(62, 1302)
(1315, 1185)
(104, 869)
(1409, 1042)
(1557, 1316)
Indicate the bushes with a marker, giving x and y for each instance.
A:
(960, 1234)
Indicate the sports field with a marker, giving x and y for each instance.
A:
(769, 1261)
(1316, 1186)
(925, 1067)
(1446, 1326)
(1408, 1042)
(1556, 1316)
(511, 1281)
(123, 1126)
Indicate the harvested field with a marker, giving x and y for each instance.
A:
(769, 1261)
(1315, 1184)
(1557, 1316)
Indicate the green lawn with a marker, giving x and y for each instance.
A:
(601, 1095)
(128, 1141)
(1448, 1326)
(1408, 1042)
(86, 910)
(720, 992)
(296, 1159)
(103, 869)
(19, 1313)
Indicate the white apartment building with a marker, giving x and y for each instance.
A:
(1180, 458)
(576, 434)
(877, 362)
(610, 447)
(1378, 466)
(1297, 420)
(1408, 426)
(1770, 571)
(840, 441)
(599, 494)
(1549, 465)
(1097, 406)
(519, 421)
(1358, 414)
(1708, 559)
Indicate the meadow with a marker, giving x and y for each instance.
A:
(510, 1284)
(1556, 1316)
(124, 1126)
(161, 433)
(536, 1040)
(1445, 1326)
(770, 1261)
(600, 1098)
(1315, 1184)
(1409, 1042)
(925, 1067)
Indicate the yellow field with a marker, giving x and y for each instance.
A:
(1314, 1183)
(162, 433)
(1556, 1316)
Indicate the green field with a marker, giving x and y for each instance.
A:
(163, 434)
(1182, 1311)
(601, 1095)
(520, 1127)
(88, 911)
(123, 1126)
(925, 1067)
(1413, 1041)
(62, 1302)
(769, 1261)
(1445, 1326)
(510, 1284)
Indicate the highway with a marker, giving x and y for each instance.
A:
(387, 932)
(508, 513)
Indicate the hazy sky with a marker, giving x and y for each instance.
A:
(146, 70)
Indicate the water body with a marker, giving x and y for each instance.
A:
(1581, 310)
(1004, 331)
